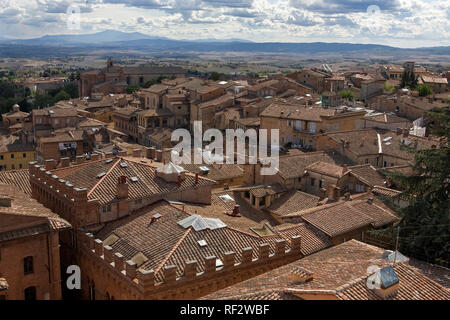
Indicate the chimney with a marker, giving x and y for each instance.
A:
(347, 196)
(331, 192)
(122, 188)
(5, 201)
(179, 181)
(79, 159)
(65, 162)
(50, 164)
(196, 178)
(345, 167)
(137, 153)
(370, 200)
(236, 211)
(16, 108)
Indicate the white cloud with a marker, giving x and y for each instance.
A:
(415, 22)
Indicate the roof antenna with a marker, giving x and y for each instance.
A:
(396, 244)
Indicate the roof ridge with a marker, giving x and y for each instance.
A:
(175, 247)
(103, 178)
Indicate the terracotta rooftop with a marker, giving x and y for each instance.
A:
(293, 166)
(339, 272)
(222, 99)
(217, 172)
(373, 141)
(297, 112)
(157, 88)
(17, 178)
(367, 174)
(28, 216)
(292, 202)
(313, 240)
(64, 136)
(434, 79)
(165, 242)
(345, 216)
(13, 143)
(328, 169)
(224, 202)
(387, 118)
(100, 178)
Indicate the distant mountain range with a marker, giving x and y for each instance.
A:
(116, 41)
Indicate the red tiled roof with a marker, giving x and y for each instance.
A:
(338, 272)
(104, 188)
(17, 178)
(164, 242)
(292, 202)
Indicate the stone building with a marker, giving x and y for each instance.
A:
(195, 256)
(29, 247)
(380, 148)
(299, 125)
(114, 79)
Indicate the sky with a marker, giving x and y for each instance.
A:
(400, 23)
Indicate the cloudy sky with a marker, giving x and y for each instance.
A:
(403, 23)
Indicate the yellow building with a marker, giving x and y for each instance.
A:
(14, 154)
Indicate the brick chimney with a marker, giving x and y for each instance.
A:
(122, 188)
(196, 178)
(236, 211)
(370, 200)
(180, 180)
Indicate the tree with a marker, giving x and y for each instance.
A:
(131, 89)
(61, 95)
(215, 76)
(425, 224)
(389, 87)
(347, 94)
(409, 79)
(424, 90)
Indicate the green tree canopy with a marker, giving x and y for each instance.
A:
(425, 225)
(131, 89)
(347, 94)
(424, 90)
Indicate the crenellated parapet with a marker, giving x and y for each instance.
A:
(213, 277)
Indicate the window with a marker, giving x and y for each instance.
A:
(12, 156)
(359, 188)
(366, 161)
(1, 157)
(13, 166)
(30, 293)
(298, 125)
(24, 155)
(20, 166)
(28, 265)
(313, 181)
(320, 183)
(350, 186)
(312, 127)
(56, 121)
